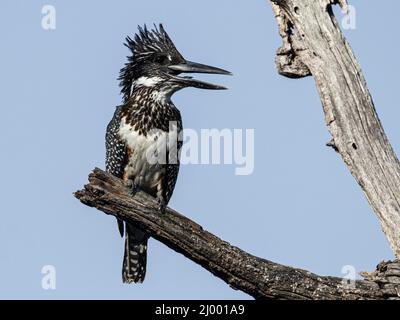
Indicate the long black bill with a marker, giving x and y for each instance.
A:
(193, 67)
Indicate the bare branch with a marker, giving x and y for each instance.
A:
(312, 40)
(258, 277)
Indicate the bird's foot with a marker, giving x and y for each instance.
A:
(162, 206)
(131, 186)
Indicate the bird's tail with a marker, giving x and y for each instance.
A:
(135, 257)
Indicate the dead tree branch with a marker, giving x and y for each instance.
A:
(313, 44)
(258, 277)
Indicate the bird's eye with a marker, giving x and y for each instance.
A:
(161, 59)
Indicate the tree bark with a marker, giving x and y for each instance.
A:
(313, 44)
(258, 277)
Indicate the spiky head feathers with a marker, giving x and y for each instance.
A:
(147, 42)
(151, 50)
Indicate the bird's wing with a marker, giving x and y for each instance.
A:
(116, 152)
(172, 170)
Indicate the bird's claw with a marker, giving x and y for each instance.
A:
(131, 186)
(162, 206)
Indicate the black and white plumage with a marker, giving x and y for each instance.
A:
(142, 128)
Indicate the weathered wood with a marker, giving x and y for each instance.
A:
(313, 44)
(258, 277)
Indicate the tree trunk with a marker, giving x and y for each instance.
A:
(314, 44)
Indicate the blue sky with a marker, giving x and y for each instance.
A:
(300, 207)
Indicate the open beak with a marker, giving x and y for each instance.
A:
(193, 67)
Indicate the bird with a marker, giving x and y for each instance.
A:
(141, 126)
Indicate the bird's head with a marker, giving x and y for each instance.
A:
(155, 62)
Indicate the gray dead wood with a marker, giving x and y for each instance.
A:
(313, 44)
(258, 277)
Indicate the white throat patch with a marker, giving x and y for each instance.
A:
(147, 82)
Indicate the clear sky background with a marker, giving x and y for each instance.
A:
(301, 207)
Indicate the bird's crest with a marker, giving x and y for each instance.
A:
(146, 43)
(149, 42)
